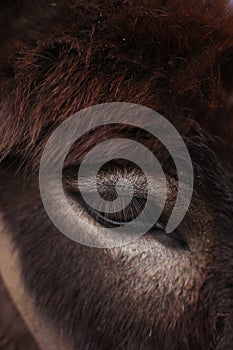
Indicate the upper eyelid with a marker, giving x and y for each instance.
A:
(106, 178)
(88, 185)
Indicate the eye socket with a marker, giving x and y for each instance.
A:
(106, 185)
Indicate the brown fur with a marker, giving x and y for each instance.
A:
(176, 58)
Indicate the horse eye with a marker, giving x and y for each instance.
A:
(139, 206)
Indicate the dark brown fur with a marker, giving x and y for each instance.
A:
(175, 57)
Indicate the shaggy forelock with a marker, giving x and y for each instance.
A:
(172, 57)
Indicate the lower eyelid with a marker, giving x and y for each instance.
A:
(157, 233)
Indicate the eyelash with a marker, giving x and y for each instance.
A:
(121, 218)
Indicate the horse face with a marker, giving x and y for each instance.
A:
(161, 291)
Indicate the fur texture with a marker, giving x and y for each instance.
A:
(13, 331)
(176, 58)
